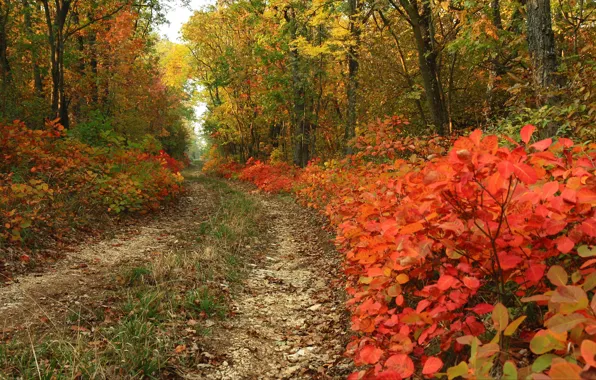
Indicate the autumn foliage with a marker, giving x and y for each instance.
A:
(472, 258)
(275, 178)
(50, 183)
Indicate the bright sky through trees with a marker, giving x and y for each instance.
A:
(177, 15)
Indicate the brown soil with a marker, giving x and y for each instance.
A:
(290, 320)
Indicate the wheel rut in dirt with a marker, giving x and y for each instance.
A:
(290, 318)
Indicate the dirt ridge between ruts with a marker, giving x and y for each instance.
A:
(291, 321)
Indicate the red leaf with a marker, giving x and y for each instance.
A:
(564, 244)
(585, 195)
(370, 354)
(525, 173)
(471, 282)
(432, 366)
(446, 281)
(388, 375)
(588, 263)
(549, 189)
(526, 132)
(542, 144)
(482, 308)
(508, 261)
(588, 227)
(505, 169)
(569, 195)
(565, 142)
(402, 364)
(389, 227)
(535, 272)
(475, 137)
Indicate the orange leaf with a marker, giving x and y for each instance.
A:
(432, 365)
(369, 354)
(526, 133)
(411, 228)
(402, 364)
(525, 173)
(180, 349)
(542, 144)
(563, 370)
(588, 350)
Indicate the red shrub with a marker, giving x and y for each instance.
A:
(272, 178)
(436, 243)
(50, 183)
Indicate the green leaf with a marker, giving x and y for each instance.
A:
(544, 342)
(584, 251)
(570, 298)
(26, 223)
(509, 371)
(459, 370)
(563, 323)
(510, 330)
(543, 362)
(500, 317)
(557, 275)
(590, 282)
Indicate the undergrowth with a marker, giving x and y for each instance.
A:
(162, 310)
(470, 258)
(51, 184)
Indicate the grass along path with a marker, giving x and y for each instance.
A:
(226, 285)
(289, 319)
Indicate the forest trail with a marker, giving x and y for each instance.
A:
(285, 318)
(289, 319)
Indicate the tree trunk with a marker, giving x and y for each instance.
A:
(37, 80)
(4, 63)
(57, 41)
(496, 69)
(353, 66)
(541, 45)
(301, 127)
(404, 66)
(422, 25)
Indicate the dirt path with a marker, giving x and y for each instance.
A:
(87, 272)
(287, 318)
(290, 320)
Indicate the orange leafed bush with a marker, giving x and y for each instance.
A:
(471, 258)
(272, 178)
(49, 182)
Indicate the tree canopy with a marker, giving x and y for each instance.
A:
(292, 80)
(95, 67)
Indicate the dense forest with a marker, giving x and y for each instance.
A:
(450, 146)
(91, 116)
(94, 67)
(297, 80)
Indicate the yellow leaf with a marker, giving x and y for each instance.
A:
(402, 278)
(514, 325)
